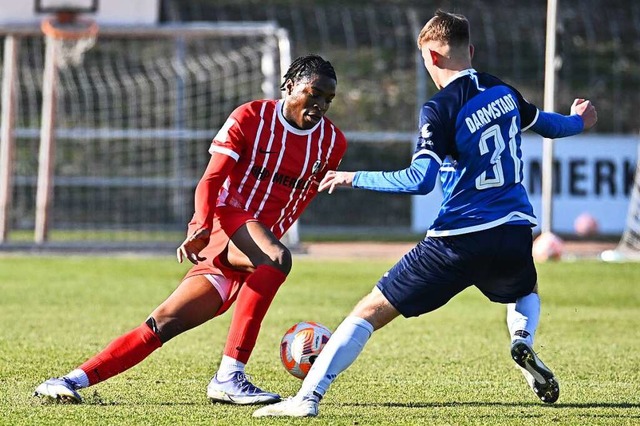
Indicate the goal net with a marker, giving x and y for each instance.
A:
(133, 123)
(629, 246)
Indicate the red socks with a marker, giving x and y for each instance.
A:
(254, 298)
(121, 354)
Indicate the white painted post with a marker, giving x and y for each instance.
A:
(546, 224)
(46, 157)
(7, 137)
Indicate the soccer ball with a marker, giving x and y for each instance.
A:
(301, 345)
(585, 225)
(547, 246)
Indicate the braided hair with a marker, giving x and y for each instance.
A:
(306, 66)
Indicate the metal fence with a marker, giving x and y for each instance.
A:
(372, 45)
(382, 83)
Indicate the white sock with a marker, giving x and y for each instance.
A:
(341, 350)
(78, 377)
(523, 317)
(228, 366)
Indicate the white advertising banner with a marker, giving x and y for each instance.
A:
(593, 174)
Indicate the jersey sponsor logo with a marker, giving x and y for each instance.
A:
(490, 112)
(289, 181)
(260, 173)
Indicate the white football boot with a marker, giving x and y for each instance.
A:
(239, 390)
(290, 407)
(59, 390)
(539, 377)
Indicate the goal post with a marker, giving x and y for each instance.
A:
(7, 139)
(131, 124)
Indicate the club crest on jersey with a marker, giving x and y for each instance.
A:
(317, 167)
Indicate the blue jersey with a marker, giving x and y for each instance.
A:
(473, 128)
(470, 136)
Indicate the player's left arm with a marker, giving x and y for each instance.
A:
(553, 125)
(583, 116)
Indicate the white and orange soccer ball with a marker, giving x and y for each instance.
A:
(301, 345)
(547, 246)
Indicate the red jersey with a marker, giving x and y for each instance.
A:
(278, 167)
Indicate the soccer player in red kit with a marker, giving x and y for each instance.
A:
(266, 163)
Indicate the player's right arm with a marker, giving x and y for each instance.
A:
(419, 178)
(219, 167)
(224, 150)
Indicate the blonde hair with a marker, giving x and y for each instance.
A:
(447, 28)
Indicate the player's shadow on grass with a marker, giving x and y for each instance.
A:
(493, 404)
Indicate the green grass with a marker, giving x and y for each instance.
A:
(69, 235)
(448, 367)
(174, 237)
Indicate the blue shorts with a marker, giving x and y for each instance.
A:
(497, 261)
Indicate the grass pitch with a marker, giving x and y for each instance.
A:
(448, 367)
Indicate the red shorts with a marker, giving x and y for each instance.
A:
(226, 221)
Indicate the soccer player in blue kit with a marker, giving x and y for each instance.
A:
(470, 134)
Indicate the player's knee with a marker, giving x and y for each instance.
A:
(376, 309)
(284, 260)
(165, 327)
(279, 257)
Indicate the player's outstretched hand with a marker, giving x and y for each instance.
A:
(585, 109)
(191, 247)
(333, 179)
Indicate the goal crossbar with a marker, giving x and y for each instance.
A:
(191, 29)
